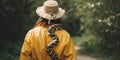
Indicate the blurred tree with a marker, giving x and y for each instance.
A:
(109, 20)
(100, 18)
(71, 20)
(13, 15)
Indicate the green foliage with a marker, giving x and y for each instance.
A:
(100, 18)
(11, 51)
(13, 16)
(71, 20)
(91, 44)
(110, 26)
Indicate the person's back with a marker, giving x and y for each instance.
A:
(48, 41)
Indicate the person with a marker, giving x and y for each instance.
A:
(48, 40)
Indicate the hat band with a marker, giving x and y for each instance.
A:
(53, 9)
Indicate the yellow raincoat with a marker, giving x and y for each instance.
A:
(36, 40)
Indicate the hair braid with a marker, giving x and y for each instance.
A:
(50, 46)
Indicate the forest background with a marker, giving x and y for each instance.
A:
(93, 23)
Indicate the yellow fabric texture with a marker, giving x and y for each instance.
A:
(36, 40)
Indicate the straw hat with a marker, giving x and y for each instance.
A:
(50, 10)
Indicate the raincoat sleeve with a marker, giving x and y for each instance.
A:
(26, 48)
(69, 52)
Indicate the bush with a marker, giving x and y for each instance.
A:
(90, 43)
(11, 51)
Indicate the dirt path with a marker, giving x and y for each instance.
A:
(83, 57)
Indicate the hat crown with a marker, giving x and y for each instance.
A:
(50, 3)
(50, 10)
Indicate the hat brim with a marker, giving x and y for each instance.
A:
(41, 12)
